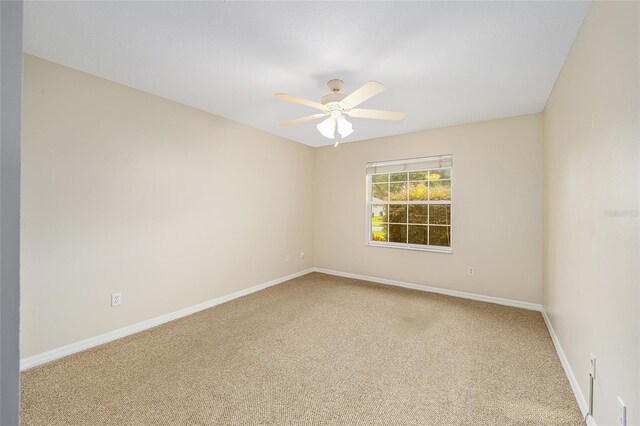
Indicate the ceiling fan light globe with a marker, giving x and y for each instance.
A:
(327, 128)
(345, 128)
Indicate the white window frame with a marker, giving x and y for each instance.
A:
(407, 246)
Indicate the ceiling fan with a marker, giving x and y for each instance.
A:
(337, 105)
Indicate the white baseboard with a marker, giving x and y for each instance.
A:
(72, 348)
(582, 402)
(455, 293)
(91, 342)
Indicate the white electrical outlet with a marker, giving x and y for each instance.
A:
(471, 271)
(301, 255)
(116, 299)
(593, 366)
(287, 258)
(622, 413)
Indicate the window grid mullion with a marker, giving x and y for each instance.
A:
(407, 203)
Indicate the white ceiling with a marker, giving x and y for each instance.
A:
(443, 63)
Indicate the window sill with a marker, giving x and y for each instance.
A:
(434, 249)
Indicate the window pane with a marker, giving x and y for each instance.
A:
(411, 208)
(418, 213)
(440, 190)
(439, 236)
(380, 178)
(379, 231)
(398, 233)
(418, 175)
(380, 192)
(439, 214)
(378, 213)
(418, 191)
(397, 213)
(418, 234)
(398, 177)
(439, 174)
(398, 191)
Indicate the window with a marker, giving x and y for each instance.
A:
(409, 203)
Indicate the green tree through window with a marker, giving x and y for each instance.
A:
(410, 203)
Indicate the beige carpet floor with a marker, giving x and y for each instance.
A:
(317, 350)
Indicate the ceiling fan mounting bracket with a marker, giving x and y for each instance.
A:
(335, 85)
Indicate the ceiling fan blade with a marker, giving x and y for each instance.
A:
(367, 91)
(298, 100)
(301, 120)
(376, 114)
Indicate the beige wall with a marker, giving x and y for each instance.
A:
(123, 191)
(495, 212)
(127, 192)
(591, 279)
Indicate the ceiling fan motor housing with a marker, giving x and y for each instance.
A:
(332, 98)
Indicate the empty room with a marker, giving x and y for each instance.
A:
(320, 213)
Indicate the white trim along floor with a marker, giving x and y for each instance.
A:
(72, 348)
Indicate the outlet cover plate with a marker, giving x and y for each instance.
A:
(116, 299)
